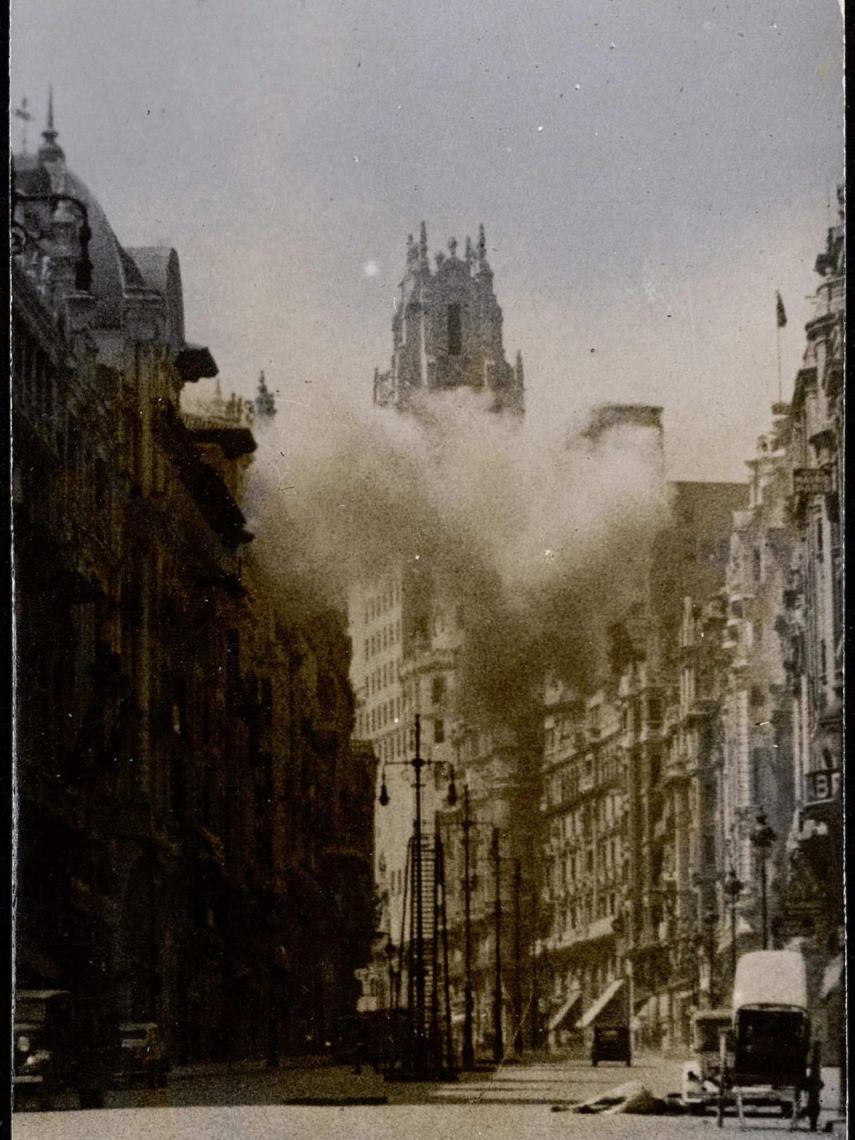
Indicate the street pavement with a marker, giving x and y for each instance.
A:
(515, 1102)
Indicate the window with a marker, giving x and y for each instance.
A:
(437, 690)
(439, 731)
(455, 331)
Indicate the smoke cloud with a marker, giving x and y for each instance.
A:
(543, 539)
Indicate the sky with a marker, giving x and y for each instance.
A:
(649, 174)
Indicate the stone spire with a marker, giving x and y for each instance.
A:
(50, 150)
(265, 405)
(483, 264)
(423, 247)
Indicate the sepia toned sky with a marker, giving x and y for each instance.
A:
(649, 173)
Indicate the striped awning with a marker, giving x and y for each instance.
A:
(565, 1009)
(832, 976)
(600, 1005)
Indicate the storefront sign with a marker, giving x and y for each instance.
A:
(822, 785)
(811, 481)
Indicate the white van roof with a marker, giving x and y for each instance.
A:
(770, 977)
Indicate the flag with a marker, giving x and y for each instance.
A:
(780, 311)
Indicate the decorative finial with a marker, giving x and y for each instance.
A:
(452, 248)
(470, 253)
(423, 244)
(50, 150)
(482, 242)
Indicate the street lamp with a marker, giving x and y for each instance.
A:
(518, 996)
(732, 889)
(468, 997)
(762, 838)
(417, 763)
(710, 922)
(498, 1033)
(467, 823)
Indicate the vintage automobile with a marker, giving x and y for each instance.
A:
(611, 1043)
(143, 1056)
(59, 1044)
(769, 1056)
(701, 1075)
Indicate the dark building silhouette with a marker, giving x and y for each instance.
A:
(195, 838)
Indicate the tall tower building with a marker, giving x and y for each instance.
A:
(406, 623)
(447, 330)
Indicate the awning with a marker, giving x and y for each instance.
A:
(832, 976)
(591, 1015)
(568, 1006)
(647, 1013)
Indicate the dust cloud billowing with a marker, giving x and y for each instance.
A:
(544, 539)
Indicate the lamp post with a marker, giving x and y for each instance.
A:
(518, 1001)
(762, 838)
(468, 997)
(498, 1035)
(420, 1040)
(732, 889)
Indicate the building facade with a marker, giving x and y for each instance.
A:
(584, 866)
(193, 821)
(812, 905)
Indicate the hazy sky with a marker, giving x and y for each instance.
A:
(649, 172)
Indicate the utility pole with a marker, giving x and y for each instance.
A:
(468, 997)
(535, 977)
(498, 1036)
(420, 1057)
(418, 1062)
(518, 1002)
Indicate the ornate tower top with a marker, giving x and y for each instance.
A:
(50, 150)
(265, 405)
(447, 330)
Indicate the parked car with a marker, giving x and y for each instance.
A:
(611, 1043)
(59, 1044)
(143, 1055)
(702, 1075)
